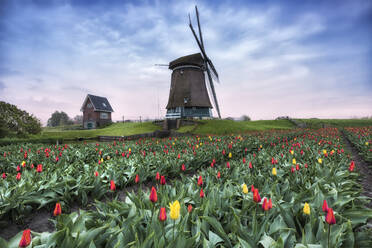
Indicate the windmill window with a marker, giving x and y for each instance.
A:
(104, 105)
(185, 100)
(181, 71)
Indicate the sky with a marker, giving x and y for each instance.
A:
(300, 59)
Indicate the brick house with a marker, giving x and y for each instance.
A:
(96, 111)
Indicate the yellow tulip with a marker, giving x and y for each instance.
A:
(306, 209)
(230, 155)
(197, 146)
(324, 151)
(294, 161)
(173, 143)
(101, 160)
(174, 210)
(292, 152)
(201, 144)
(245, 188)
(367, 143)
(260, 146)
(319, 160)
(23, 162)
(130, 150)
(273, 171)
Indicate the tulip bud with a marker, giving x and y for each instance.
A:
(330, 218)
(162, 214)
(26, 238)
(153, 195)
(57, 210)
(200, 181)
(162, 180)
(112, 185)
(201, 193)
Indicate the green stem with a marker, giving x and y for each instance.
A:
(329, 233)
(174, 225)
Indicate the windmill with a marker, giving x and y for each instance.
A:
(188, 96)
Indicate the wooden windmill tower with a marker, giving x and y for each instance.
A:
(188, 96)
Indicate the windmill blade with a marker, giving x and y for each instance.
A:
(201, 47)
(213, 91)
(200, 33)
(214, 72)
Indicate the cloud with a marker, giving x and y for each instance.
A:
(288, 59)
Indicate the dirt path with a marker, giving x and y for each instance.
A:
(362, 167)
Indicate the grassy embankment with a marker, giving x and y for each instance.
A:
(51, 135)
(340, 123)
(229, 126)
(218, 127)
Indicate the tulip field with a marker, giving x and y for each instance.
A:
(362, 140)
(293, 188)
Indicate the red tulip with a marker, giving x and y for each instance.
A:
(243, 160)
(18, 177)
(18, 168)
(252, 188)
(183, 168)
(265, 205)
(306, 165)
(200, 181)
(96, 173)
(162, 214)
(292, 169)
(137, 179)
(39, 168)
(157, 177)
(297, 167)
(179, 156)
(201, 193)
(3, 176)
(256, 196)
(270, 204)
(112, 185)
(153, 195)
(189, 208)
(57, 210)
(352, 166)
(218, 175)
(228, 164)
(26, 238)
(250, 165)
(162, 180)
(325, 206)
(330, 218)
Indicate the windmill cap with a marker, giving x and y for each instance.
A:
(192, 59)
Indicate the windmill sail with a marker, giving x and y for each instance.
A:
(212, 72)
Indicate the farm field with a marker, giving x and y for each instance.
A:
(278, 188)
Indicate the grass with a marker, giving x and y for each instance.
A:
(229, 126)
(51, 135)
(116, 129)
(318, 123)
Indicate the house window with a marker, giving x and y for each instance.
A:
(104, 116)
(104, 105)
(89, 105)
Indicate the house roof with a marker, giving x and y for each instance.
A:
(99, 103)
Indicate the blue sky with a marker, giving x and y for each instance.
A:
(275, 58)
